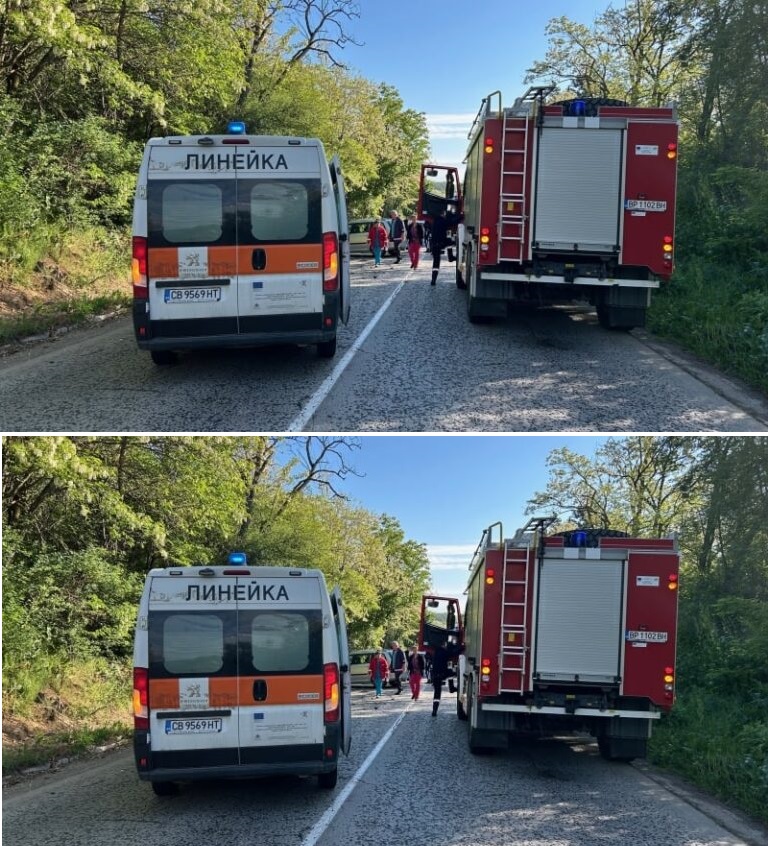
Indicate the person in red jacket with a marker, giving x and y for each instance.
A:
(379, 670)
(377, 242)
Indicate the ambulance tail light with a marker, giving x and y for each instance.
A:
(139, 269)
(330, 262)
(331, 693)
(140, 699)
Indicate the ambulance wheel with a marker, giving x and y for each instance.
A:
(328, 780)
(163, 357)
(327, 349)
(165, 788)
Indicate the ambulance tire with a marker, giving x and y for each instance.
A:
(163, 357)
(327, 349)
(165, 788)
(328, 780)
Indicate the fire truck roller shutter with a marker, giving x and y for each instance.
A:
(578, 183)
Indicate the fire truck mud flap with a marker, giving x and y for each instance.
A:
(623, 739)
(623, 308)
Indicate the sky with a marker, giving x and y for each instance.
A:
(445, 490)
(445, 56)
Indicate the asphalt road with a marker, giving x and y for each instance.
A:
(421, 366)
(420, 786)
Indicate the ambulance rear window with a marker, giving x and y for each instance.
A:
(191, 212)
(193, 643)
(280, 641)
(279, 211)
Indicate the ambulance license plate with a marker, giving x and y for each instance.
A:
(199, 726)
(192, 295)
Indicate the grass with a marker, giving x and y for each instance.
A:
(720, 745)
(78, 276)
(64, 712)
(719, 314)
(49, 747)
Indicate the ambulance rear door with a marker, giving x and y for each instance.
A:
(279, 236)
(340, 620)
(191, 239)
(280, 653)
(343, 226)
(193, 687)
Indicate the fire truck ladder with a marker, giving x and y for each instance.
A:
(514, 165)
(514, 619)
(514, 170)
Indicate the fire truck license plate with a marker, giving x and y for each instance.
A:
(645, 205)
(648, 637)
(211, 726)
(192, 295)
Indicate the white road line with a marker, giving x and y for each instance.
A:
(318, 829)
(299, 422)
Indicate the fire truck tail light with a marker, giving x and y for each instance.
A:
(486, 662)
(490, 576)
(489, 145)
(672, 151)
(485, 230)
(669, 670)
(669, 679)
(484, 239)
(672, 581)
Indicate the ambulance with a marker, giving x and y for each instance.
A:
(238, 240)
(239, 671)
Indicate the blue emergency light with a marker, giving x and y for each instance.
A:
(578, 107)
(579, 538)
(236, 127)
(237, 558)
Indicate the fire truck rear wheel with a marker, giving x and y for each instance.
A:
(460, 712)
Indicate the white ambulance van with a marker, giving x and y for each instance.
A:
(239, 671)
(238, 240)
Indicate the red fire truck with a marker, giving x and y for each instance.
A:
(561, 201)
(573, 631)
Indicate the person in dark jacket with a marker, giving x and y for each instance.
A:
(443, 654)
(439, 238)
(398, 665)
(396, 233)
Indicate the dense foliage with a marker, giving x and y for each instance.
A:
(713, 493)
(710, 58)
(85, 518)
(85, 84)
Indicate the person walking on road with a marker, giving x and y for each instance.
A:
(377, 240)
(439, 241)
(396, 232)
(415, 671)
(378, 669)
(440, 671)
(415, 234)
(398, 665)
